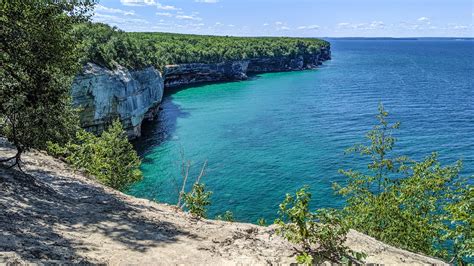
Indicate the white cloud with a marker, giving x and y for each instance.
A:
(230, 25)
(343, 24)
(207, 1)
(284, 28)
(265, 24)
(164, 14)
(377, 24)
(148, 3)
(138, 2)
(166, 7)
(187, 17)
(374, 25)
(124, 23)
(114, 10)
(423, 19)
(309, 27)
(279, 23)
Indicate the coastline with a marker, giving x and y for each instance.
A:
(134, 95)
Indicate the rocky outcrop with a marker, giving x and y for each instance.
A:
(105, 95)
(279, 64)
(134, 95)
(187, 74)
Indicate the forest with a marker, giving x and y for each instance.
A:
(108, 46)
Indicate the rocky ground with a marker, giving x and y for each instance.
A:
(55, 215)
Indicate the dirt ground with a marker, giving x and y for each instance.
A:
(56, 215)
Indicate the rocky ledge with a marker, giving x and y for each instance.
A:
(186, 74)
(54, 215)
(134, 95)
(129, 95)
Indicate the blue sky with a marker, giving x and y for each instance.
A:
(307, 18)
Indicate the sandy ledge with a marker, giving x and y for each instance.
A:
(57, 215)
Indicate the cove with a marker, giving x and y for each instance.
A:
(272, 134)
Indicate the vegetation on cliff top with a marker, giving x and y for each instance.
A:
(106, 46)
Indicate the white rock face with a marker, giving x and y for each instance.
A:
(104, 95)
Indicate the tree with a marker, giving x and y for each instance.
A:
(109, 157)
(39, 60)
(420, 206)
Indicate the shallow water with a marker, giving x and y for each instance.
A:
(271, 134)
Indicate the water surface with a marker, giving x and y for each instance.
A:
(271, 134)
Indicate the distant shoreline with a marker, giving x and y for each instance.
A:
(400, 39)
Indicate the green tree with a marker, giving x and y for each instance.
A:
(39, 60)
(419, 206)
(109, 157)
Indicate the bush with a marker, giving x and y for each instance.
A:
(197, 200)
(320, 234)
(110, 157)
(227, 216)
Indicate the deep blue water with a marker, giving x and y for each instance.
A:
(276, 132)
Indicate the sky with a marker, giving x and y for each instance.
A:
(304, 18)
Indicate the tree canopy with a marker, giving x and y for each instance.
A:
(106, 46)
(39, 60)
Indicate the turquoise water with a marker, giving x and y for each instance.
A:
(271, 134)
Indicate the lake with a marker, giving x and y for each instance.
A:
(275, 132)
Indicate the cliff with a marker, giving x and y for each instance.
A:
(54, 215)
(186, 74)
(134, 95)
(104, 95)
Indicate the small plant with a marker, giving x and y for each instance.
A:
(197, 200)
(324, 229)
(262, 222)
(227, 216)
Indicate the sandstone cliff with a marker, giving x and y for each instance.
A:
(186, 74)
(134, 95)
(104, 95)
(54, 215)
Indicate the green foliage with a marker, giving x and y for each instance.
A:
(110, 157)
(262, 222)
(409, 204)
(39, 60)
(108, 46)
(459, 211)
(324, 229)
(227, 216)
(197, 200)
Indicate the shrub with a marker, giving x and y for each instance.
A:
(197, 200)
(227, 216)
(110, 157)
(320, 234)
